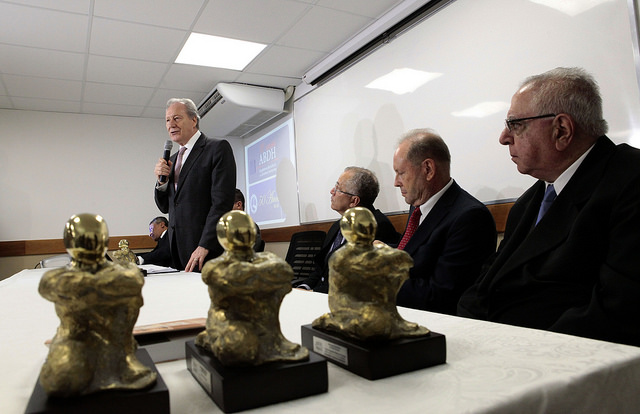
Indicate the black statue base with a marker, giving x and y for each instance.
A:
(375, 360)
(240, 388)
(151, 400)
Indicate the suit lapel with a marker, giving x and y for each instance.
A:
(433, 219)
(331, 235)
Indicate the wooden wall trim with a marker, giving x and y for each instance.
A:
(56, 246)
(500, 212)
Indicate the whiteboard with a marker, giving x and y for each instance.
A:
(483, 50)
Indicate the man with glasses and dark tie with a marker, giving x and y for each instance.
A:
(569, 260)
(355, 187)
(449, 234)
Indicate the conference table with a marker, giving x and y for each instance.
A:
(490, 368)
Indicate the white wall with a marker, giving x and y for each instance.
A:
(56, 165)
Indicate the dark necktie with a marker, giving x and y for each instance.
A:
(414, 222)
(547, 200)
(176, 174)
(336, 242)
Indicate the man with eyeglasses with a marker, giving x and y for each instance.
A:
(449, 233)
(355, 187)
(569, 260)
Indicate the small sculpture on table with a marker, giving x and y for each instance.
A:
(246, 290)
(363, 284)
(242, 348)
(98, 304)
(363, 332)
(124, 255)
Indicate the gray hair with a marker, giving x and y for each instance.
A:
(571, 91)
(192, 109)
(426, 143)
(364, 183)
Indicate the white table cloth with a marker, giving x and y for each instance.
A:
(491, 368)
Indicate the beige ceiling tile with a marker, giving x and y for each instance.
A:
(124, 71)
(135, 41)
(178, 14)
(48, 29)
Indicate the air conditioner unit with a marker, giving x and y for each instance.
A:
(236, 109)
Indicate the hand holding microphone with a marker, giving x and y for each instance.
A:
(163, 167)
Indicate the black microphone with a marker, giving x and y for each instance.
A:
(167, 153)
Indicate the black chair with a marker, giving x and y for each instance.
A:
(303, 248)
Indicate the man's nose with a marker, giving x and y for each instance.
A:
(506, 137)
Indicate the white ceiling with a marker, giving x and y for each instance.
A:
(115, 57)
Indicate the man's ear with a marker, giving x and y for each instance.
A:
(355, 201)
(429, 168)
(563, 131)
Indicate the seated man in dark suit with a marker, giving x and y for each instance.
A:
(160, 255)
(569, 260)
(449, 233)
(355, 187)
(238, 204)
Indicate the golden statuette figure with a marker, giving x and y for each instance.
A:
(98, 304)
(124, 255)
(246, 290)
(363, 284)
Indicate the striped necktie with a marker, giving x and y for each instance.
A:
(414, 222)
(178, 167)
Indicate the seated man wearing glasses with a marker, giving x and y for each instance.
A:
(569, 260)
(355, 187)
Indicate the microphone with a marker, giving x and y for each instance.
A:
(167, 153)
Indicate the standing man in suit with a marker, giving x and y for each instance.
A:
(196, 187)
(568, 264)
(449, 233)
(161, 254)
(355, 187)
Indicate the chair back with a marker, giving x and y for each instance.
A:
(303, 248)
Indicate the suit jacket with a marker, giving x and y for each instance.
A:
(205, 192)
(318, 280)
(448, 250)
(578, 270)
(161, 254)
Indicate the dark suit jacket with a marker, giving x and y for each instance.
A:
(318, 280)
(205, 192)
(578, 270)
(448, 250)
(161, 254)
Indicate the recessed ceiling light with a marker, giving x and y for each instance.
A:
(401, 81)
(218, 52)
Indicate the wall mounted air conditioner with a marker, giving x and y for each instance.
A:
(235, 109)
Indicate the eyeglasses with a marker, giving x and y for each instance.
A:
(337, 190)
(514, 124)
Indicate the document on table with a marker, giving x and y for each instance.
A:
(154, 269)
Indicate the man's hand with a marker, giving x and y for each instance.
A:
(163, 169)
(197, 259)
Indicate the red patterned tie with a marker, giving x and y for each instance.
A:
(414, 221)
(176, 173)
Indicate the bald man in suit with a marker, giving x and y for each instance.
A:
(454, 232)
